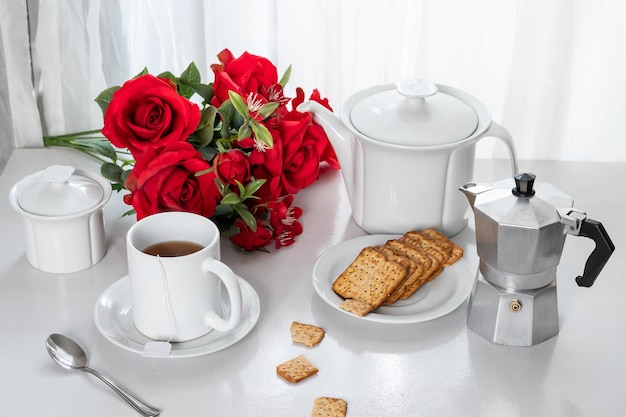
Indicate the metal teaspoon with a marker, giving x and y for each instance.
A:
(69, 355)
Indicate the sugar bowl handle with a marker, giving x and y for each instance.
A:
(577, 223)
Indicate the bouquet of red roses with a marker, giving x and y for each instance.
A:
(238, 156)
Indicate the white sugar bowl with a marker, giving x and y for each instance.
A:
(61, 208)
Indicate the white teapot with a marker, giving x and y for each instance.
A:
(405, 149)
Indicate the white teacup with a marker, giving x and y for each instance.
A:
(178, 298)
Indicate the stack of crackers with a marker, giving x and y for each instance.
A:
(384, 274)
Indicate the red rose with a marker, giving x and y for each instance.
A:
(249, 240)
(303, 146)
(246, 74)
(232, 167)
(166, 181)
(147, 112)
(327, 152)
(268, 165)
(293, 163)
(284, 221)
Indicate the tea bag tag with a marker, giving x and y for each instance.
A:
(156, 350)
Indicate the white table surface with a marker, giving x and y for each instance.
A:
(436, 368)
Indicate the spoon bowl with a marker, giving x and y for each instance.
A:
(70, 355)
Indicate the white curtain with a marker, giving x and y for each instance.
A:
(19, 117)
(553, 72)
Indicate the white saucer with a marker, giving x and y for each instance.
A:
(113, 317)
(434, 299)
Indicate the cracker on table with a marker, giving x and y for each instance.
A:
(296, 369)
(306, 334)
(329, 407)
(356, 307)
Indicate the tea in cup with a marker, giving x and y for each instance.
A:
(176, 278)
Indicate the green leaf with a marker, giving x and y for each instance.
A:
(285, 78)
(203, 172)
(127, 162)
(252, 187)
(247, 217)
(242, 190)
(205, 128)
(226, 112)
(222, 187)
(129, 213)
(112, 172)
(223, 210)
(167, 75)
(185, 91)
(239, 103)
(105, 97)
(191, 75)
(203, 90)
(102, 146)
(244, 132)
(262, 134)
(207, 152)
(268, 109)
(230, 198)
(144, 71)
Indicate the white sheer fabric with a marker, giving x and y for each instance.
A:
(551, 72)
(19, 118)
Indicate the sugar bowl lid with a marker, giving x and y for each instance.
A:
(61, 190)
(414, 112)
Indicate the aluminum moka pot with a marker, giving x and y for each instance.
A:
(520, 234)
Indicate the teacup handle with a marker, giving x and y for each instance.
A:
(227, 276)
(499, 132)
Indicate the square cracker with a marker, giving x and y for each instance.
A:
(306, 334)
(296, 369)
(440, 250)
(418, 255)
(416, 270)
(329, 407)
(456, 252)
(370, 278)
(394, 255)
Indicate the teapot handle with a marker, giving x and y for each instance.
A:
(578, 224)
(499, 132)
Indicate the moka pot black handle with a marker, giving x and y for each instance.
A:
(593, 229)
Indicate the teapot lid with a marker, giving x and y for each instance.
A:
(414, 113)
(59, 191)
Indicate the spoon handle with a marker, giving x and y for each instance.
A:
(135, 402)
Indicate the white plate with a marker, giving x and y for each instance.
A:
(113, 317)
(434, 299)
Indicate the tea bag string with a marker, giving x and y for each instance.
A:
(168, 305)
(161, 349)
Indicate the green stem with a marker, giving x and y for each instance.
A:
(73, 140)
(78, 135)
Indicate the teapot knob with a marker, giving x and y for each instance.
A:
(416, 88)
(524, 185)
(58, 173)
